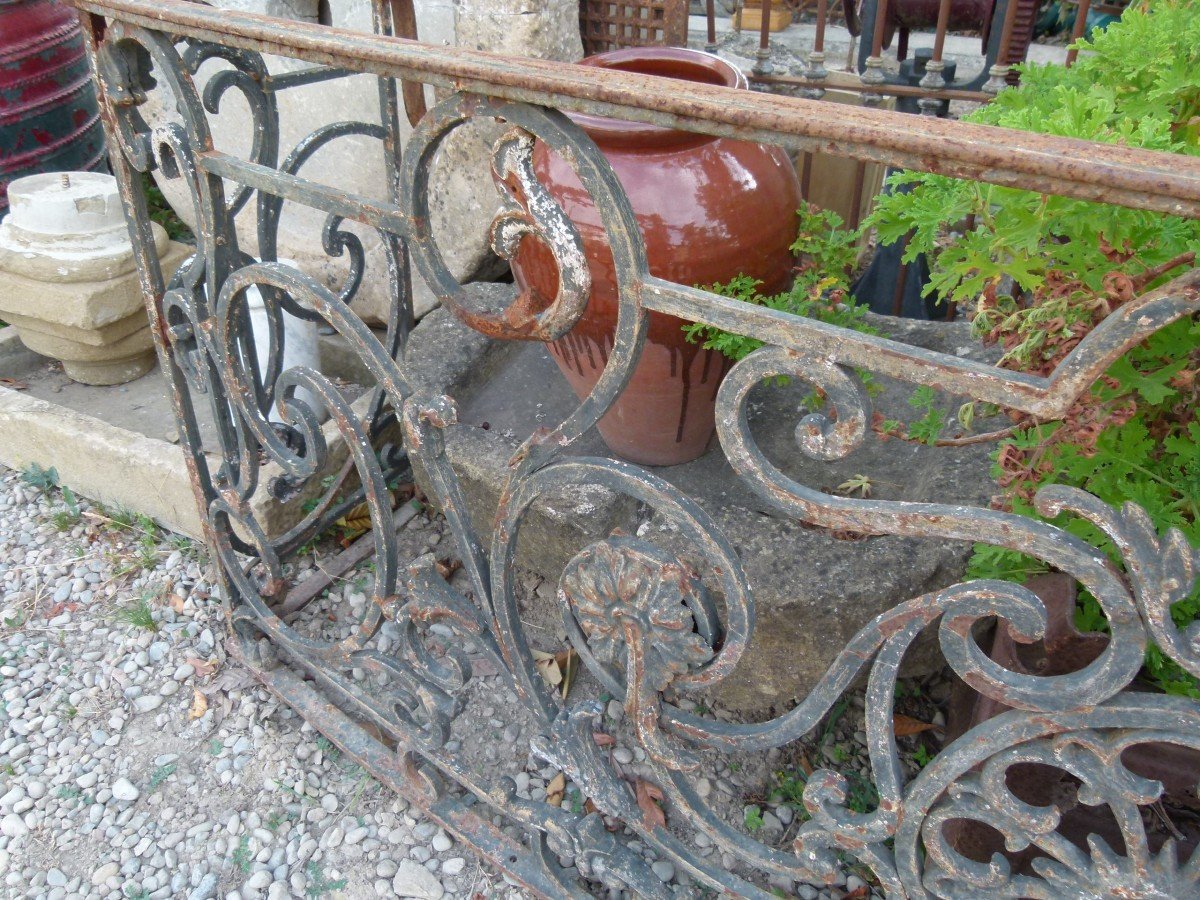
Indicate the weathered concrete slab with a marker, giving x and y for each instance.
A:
(814, 590)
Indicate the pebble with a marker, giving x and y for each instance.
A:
(664, 869)
(147, 703)
(414, 880)
(206, 889)
(105, 872)
(13, 826)
(123, 789)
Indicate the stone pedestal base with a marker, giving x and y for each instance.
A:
(68, 282)
(119, 350)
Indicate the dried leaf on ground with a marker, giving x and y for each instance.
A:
(568, 664)
(199, 704)
(906, 725)
(203, 668)
(448, 566)
(602, 739)
(547, 667)
(177, 603)
(357, 521)
(14, 383)
(232, 678)
(648, 798)
(557, 668)
(555, 789)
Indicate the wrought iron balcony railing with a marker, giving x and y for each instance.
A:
(398, 720)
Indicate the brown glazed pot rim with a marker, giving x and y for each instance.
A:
(679, 63)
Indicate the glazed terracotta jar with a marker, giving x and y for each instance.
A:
(709, 209)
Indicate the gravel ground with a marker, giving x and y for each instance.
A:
(137, 762)
(111, 785)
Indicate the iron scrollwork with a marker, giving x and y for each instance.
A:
(648, 625)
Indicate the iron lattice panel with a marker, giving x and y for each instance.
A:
(644, 624)
(606, 25)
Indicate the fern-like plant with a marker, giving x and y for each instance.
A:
(1040, 272)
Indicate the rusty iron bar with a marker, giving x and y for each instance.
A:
(933, 81)
(880, 28)
(943, 25)
(1082, 9)
(1112, 174)
(873, 75)
(710, 13)
(762, 57)
(812, 82)
(998, 74)
(887, 89)
(1046, 397)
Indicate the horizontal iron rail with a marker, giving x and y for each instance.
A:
(888, 90)
(1066, 166)
(355, 207)
(303, 77)
(1048, 397)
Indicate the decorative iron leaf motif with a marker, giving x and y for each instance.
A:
(1094, 760)
(625, 591)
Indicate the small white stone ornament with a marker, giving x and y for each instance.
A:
(68, 280)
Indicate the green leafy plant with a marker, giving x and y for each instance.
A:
(43, 479)
(318, 884)
(928, 428)
(861, 794)
(789, 789)
(753, 818)
(1040, 272)
(138, 614)
(162, 213)
(328, 749)
(159, 775)
(242, 857)
(921, 756)
(826, 252)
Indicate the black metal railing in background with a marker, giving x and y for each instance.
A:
(1007, 28)
(393, 707)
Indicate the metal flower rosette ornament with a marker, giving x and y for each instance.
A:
(648, 625)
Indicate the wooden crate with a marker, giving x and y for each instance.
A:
(832, 178)
(750, 18)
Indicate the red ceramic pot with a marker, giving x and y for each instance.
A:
(709, 209)
(49, 121)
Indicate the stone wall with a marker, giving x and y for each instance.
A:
(463, 198)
